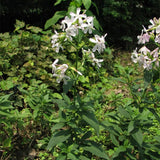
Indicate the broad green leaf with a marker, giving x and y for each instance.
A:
(3, 113)
(57, 95)
(87, 4)
(68, 86)
(66, 99)
(138, 136)
(83, 158)
(148, 75)
(86, 135)
(57, 138)
(123, 112)
(61, 103)
(57, 126)
(90, 118)
(96, 149)
(97, 25)
(72, 156)
(114, 140)
(130, 126)
(54, 19)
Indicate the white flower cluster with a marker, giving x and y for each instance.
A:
(70, 28)
(76, 22)
(59, 72)
(144, 56)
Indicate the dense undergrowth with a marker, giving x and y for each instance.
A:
(108, 111)
(126, 108)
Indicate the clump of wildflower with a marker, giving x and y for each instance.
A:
(145, 56)
(71, 26)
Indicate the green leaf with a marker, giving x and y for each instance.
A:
(57, 138)
(54, 19)
(90, 118)
(123, 112)
(58, 2)
(6, 84)
(68, 86)
(96, 149)
(154, 113)
(86, 3)
(86, 135)
(119, 150)
(83, 158)
(57, 95)
(72, 156)
(138, 136)
(114, 140)
(148, 75)
(96, 24)
(130, 126)
(57, 126)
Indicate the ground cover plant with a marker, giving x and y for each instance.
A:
(60, 100)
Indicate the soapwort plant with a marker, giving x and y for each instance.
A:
(78, 41)
(148, 55)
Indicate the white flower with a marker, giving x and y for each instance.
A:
(54, 66)
(100, 43)
(88, 26)
(59, 72)
(157, 39)
(143, 38)
(66, 23)
(55, 43)
(95, 61)
(152, 23)
(77, 16)
(147, 65)
(155, 56)
(135, 56)
(158, 29)
(144, 50)
(72, 31)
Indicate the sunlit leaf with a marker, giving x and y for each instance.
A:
(96, 149)
(54, 19)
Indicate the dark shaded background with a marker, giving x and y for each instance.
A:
(121, 19)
